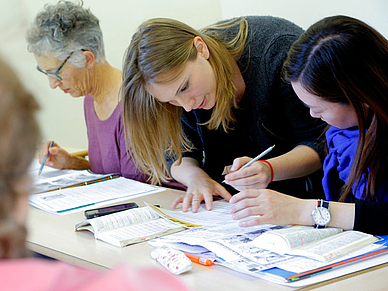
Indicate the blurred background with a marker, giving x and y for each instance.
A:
(61, 116)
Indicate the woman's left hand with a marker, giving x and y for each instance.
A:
(267, 207)
(256, 176)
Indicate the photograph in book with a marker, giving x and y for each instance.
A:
(323, 244)
(129, 226)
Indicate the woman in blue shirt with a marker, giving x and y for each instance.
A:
(339, 69)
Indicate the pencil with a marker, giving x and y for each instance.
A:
(255, 159)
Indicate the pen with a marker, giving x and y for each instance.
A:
(199, 260)
(255, 159)
(45, 157)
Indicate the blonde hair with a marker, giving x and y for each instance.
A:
(19, 135)
(162, 47)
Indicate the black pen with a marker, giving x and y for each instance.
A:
(45, 157)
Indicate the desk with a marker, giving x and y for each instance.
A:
(54, 236)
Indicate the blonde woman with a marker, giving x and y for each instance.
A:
(207, 98)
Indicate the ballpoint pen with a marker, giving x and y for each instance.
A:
(256, 158)
(45, 157)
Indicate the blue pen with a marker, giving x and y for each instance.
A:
(45, 157)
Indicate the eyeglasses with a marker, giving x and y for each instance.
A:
(54, 74)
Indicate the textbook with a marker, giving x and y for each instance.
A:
(323, 244)
(54, 179)
(222, 240)
(91, 195)
(129, 226)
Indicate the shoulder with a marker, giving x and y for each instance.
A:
(272, 33)
(88, 102)
(277, 25)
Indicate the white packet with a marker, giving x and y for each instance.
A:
(173, 260)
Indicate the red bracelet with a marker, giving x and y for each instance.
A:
(270, 166)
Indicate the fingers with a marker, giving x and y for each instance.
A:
(176, 202)
(189, 200)
(43, 151)
(250, 193)
(250, 222)
(193, 200)
(238, 163)
(223, 193)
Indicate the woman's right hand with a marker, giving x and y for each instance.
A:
(201, 188)
(58, 157)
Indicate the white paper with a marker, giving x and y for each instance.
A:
(53, 179)
(80, 198)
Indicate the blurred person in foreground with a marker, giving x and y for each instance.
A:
(19, 133)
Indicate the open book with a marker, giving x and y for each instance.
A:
(92, 195)
(320, 244)
(54, 179)
(130, 226)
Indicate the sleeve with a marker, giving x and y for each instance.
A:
(301, 128)
(371, 217)
(192, 130)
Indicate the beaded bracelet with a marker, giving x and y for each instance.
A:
(270, 166)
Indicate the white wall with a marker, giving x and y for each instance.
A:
(61, 117)
(306, 12)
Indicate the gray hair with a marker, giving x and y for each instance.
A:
(65, 28)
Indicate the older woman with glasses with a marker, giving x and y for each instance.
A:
(67, 42)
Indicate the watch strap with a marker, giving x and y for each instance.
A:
(324, 204)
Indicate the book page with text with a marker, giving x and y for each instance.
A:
(336, 246)
(118, 220)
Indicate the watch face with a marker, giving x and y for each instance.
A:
(321, 216)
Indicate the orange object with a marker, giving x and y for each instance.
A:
(199, 260)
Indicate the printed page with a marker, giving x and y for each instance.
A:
(139, 232)
(230, 243)
(52, 179)
(336, 246)
(117, 220)
(217, 216)
(285, 240)
(304, 264)
(90, 196)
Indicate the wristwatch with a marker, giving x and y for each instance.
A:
(321, 214)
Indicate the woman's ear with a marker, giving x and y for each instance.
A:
(201, 47)
(89, 59)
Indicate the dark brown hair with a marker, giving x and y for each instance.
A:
(344, 60)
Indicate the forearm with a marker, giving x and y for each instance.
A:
(77, 163)
(188, 169)
(342, 214)
(299, 162)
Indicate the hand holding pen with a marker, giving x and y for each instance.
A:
(254, 179)
(45, 158)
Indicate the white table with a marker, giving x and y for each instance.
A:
(54, 236)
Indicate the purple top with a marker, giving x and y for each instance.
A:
(107, 149)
